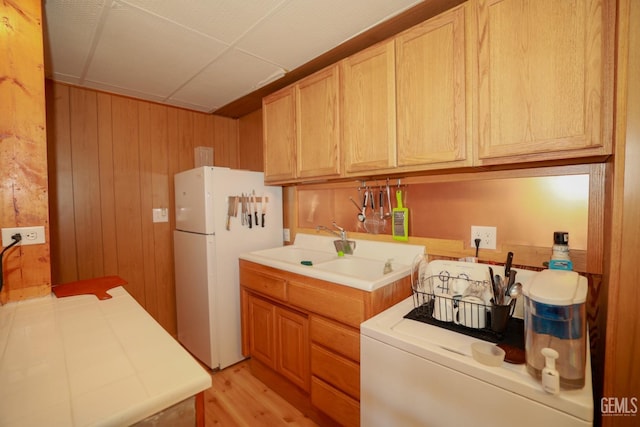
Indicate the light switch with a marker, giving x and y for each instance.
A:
(160, 215)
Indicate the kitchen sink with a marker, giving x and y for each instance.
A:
(296, 255)
(315, 256)
(361, 268)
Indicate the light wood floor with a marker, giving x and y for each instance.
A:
(237, 398)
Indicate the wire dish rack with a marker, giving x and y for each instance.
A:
(458, 304)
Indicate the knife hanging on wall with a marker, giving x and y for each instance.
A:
(230, 201)
(265, 199)
(255, 205)
(242, 210)
(249, 217)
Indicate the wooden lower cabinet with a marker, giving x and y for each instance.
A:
(335, 370)
(305, 333)
(279, 338)
(292, 349)
(338, 371)
(262, 331)
(337, 405)
(337, 337)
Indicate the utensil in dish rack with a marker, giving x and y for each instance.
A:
(494, 287)
(507, 264)
(515, 290)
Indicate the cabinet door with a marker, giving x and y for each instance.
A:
(262, 331)
(368, 109)
(279, 136)
(317, 124)
(432, 92)
(293, 347)
(541, 84)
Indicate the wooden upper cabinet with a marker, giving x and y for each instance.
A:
(487, 82)
(301, 129)
(433, 95)
(368, 105)
(544, 79)
(279, 135)
(318, 124)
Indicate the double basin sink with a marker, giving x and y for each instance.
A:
(315, 256)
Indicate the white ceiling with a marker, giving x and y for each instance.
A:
(197, 54)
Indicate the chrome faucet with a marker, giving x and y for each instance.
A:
(342, 235)
(343, 245)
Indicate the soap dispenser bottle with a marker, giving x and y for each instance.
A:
(550, 376)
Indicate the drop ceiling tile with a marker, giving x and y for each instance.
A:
(69, 28)
(231, 76)
(224, 20)
(197, 54)
(303, 30)
(142, 52)
(133, 93)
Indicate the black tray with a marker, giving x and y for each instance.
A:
(512, 336)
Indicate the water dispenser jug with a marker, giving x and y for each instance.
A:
(555, 317)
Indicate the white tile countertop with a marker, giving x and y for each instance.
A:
(81, 361)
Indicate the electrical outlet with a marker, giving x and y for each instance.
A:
(30, 235)
(487, 236)
(286, 235)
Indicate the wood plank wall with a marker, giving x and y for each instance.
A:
(23, 154)
(621, 372)
(111, 161)
(250, 141)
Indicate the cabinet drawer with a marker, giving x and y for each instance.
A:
(339, 338)
(346, 307)
(334, 403)
(266, 285)
(336, 370)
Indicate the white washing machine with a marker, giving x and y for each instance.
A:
(419, 374)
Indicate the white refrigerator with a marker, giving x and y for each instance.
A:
(207, 242)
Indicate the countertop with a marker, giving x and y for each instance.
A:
(80, 361)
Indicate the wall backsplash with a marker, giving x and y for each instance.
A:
(525, 210)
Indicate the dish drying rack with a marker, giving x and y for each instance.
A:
(425, 300)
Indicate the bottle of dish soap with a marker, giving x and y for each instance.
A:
(387, 267)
